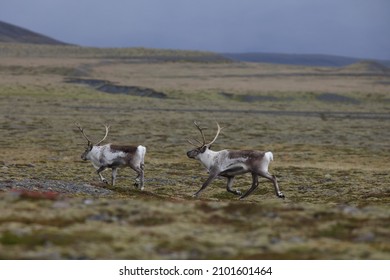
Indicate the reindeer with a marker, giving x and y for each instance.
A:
(114, 156)
(230, 163)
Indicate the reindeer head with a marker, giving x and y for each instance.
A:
(90, 145)
(194, 153)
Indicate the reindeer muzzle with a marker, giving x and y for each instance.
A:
(191, 154)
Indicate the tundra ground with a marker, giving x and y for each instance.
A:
(328, 129)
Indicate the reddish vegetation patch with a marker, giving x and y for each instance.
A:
(37, 194)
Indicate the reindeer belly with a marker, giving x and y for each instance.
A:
(112, 160)
(234, 170)
(116, 163)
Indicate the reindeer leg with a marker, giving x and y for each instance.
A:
(101, 169)
(139, 180)
(141, 176)
(113, 178)
(211, 177)
(229, 186)
(255, 183)
(274, 181)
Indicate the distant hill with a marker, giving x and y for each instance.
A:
(298, 59)
(10, 33)
(20, 42)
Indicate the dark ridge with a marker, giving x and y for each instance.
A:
(336, 98)
(10, 33)
(248, 98)
(324, 97)
(109, 87)
(201, 58)
(299, 59)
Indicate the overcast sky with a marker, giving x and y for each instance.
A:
(359, 28)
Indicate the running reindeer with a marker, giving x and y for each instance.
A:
(229, 163)
(114, 156)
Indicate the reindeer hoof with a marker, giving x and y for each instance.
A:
(137, 185)
(281, 195)
(105, 181)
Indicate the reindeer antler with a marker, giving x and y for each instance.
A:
(216, 136)
(105, 136)
(203, 137)
(201, 132)
(86, 137)
(83, 133)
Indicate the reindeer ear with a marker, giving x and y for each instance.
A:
(203, 149)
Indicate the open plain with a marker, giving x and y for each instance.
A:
(328, 128)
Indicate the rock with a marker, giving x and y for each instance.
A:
(366, 237)
(328, 177)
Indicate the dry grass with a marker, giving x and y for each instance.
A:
(332, 167)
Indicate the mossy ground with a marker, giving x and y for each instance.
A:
(331, 159)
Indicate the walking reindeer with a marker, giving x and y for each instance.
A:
(229, 163)
(114, 156)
